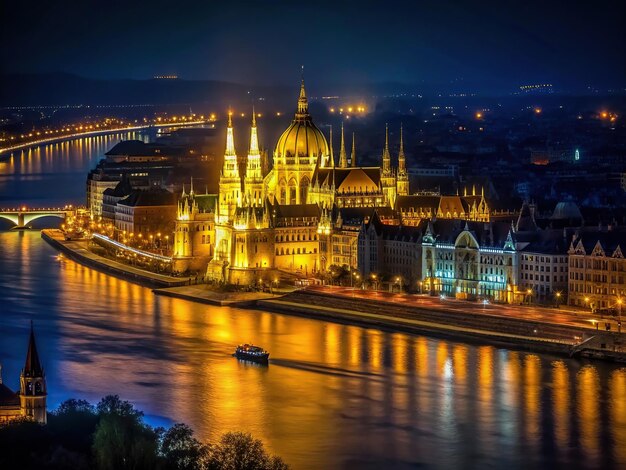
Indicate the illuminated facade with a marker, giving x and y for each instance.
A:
(597, 270)
(30, 401)
(287, 220)
(470, 260)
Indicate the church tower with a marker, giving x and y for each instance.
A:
(403, 176)
(253, 183)
(387, 177)
(230, 181)
(33, 384)
(343, 157)
(353, 154)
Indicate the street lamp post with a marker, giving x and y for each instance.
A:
(619, 315)
(558, 298)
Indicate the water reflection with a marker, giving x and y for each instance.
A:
(55, 174)
(333, 396)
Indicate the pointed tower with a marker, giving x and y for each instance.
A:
(353, 154)
(253, 184)
(387, 177)
(403, 176)
(343, 157)
(33, 384)
(230, 180)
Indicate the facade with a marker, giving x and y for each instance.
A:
(389, 252)
(415, 208)
(110, 198)
(30, 401)
(287, 220)
(470, 260)
(597, 269)
(194, 235)
(146, 212)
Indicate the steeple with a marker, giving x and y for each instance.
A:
(331, 163)
(191, 188)
(254, 141)
(353, 154)
(386, 155)
(401, 157)
(32, 367)
(343, 157)
(253, 183)
(33, 384)
(230, 141)
(403, 177)
(303, 104)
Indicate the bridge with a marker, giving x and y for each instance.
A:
(23, 216)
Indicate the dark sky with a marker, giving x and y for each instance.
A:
(514, 42)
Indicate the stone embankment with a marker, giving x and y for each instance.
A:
(77, 251)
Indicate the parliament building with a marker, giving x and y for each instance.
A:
(304, 215)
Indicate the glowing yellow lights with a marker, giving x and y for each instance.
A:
(537, 110)
(350, 109)
(479, 115)
(332, 110)
(604, 115)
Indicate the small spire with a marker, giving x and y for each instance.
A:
(401, 157)
(332, 155)
(386, 136)
(386, 155)
(32, 366)
(253, 117)
(230, 118)
(353, 154)
(343, 158)
(191, 188)
(303, 105)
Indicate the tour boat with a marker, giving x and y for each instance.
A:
(249, 352)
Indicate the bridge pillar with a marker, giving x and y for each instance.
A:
(20, 219)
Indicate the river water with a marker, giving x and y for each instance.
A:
(334, 396)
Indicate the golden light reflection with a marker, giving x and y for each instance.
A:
(422, 356)
(588, 413)
(617, 394)
(561, 403)
(459, 356)
(532, 369)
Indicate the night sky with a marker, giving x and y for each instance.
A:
(505, 42)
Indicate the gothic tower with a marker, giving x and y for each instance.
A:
(353, 154)
(33, 384)
(253, 183)
(387, 177)
(403, 176)
(230, 181)
(343, 157)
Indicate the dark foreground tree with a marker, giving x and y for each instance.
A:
(122, 441)
(182, 451)
(240, 451)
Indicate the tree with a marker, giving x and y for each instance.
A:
(122, 440)
(240, 451)
(181, 450)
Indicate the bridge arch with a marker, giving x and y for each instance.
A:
(28, 218)
(12, 218)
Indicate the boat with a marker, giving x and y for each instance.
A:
(249, 352)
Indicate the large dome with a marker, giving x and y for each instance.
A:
(302, 137)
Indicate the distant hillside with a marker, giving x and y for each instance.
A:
(61, 88)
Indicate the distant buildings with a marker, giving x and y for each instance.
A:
(145, 212)
(30, 400)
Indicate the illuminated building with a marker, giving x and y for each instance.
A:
(30, 401)
(289, 219)
(470, 260)
(194, 235)
(597, 269)
(145, 212)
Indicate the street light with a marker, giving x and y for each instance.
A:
(619, 314)
(558, 298)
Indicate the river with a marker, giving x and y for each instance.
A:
(333, 396)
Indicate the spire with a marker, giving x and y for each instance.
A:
(230, 141)
(331, 163)
(254, 140)
(401, 157)
(386, 155)
(191, 188)
(303, 104)
(343, 157)
(32, 367)
(353, 154)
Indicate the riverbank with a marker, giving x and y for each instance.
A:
(205, 294)
(77, 250)
(497, 330)
(492, 327)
